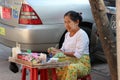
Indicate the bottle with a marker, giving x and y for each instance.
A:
(16, 50)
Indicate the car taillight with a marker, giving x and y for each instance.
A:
(28, 16)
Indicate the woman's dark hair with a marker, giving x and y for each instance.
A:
(74, 16)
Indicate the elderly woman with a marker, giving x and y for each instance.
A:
(75, 48)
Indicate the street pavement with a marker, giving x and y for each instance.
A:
(100, 70)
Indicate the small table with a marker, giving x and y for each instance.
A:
(35, 67)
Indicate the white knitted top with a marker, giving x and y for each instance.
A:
(79, 43)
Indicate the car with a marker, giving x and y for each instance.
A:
(38, 24)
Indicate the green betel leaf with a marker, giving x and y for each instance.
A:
(58, 55)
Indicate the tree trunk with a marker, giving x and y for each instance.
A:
(118, 36)
(105, 34)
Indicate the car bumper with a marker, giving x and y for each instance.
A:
(36, 37)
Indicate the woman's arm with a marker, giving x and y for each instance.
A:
(55, 51)
(69, 54)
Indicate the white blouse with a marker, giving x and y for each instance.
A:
(79, 43)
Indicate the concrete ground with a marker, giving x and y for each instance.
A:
(100, 70)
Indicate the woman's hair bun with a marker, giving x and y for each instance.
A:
(80, 13)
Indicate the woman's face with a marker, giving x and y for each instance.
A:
(69, 24)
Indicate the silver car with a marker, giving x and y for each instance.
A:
(38, 24)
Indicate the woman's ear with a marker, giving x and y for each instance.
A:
(77, 22)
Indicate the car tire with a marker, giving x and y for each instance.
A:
(62, 39)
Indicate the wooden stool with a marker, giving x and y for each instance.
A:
(34, 73)
(87, 77)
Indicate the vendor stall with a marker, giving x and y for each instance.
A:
(30, 62)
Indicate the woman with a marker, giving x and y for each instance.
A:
(75, 47)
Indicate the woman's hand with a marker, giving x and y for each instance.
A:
(50, 49)
(53, 50)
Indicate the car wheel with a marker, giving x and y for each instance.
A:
(62, 39)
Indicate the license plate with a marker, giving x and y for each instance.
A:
(2, 31)
(6, 13)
